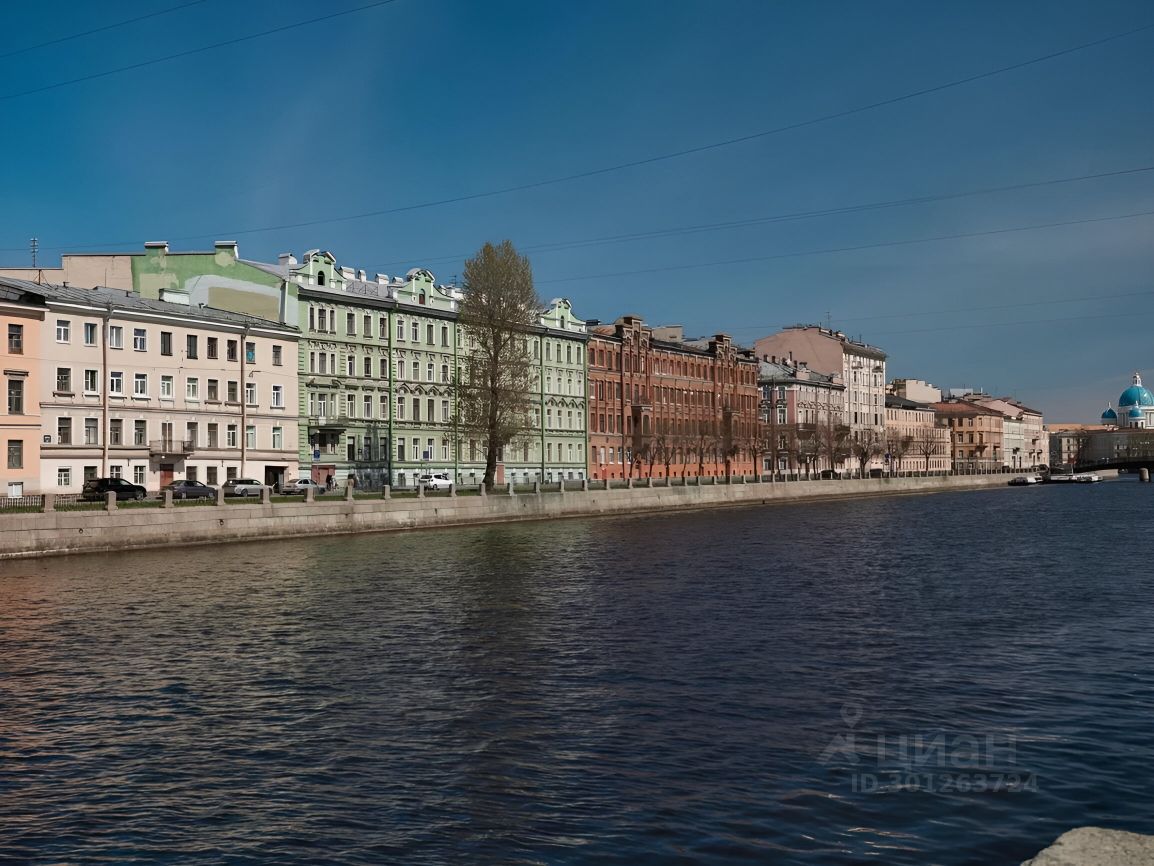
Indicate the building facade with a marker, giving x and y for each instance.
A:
(664, 408)
(915, 441)
(862, 369)
(154, 391)
(802, 418)
(976, 435)
(22, 313)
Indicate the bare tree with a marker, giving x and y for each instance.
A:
(927, 444)
(865, 445)
(494, 395)
(832, 441)
(898, 446)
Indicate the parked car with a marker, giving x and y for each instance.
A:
(96, 489)
(299, 486)
(243, 487)
(185, 489)
(435, 481)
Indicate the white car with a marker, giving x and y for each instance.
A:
(299, 486)
(435, 481)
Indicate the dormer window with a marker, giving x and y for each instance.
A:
(421, 299)
(320, 278)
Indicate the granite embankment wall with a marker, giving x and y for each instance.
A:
(63, 532)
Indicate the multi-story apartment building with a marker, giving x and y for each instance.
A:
(1025, 443)
(666, 407)
(915, 441)
(862, 369)
(976, 434)
(803, 425)
(153, 390)
(21, 319)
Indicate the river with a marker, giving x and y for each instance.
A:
(945, 679)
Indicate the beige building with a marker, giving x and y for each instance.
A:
(113, 270)
(915, 441)
(916, 390)
(976, 435)
(152, 391)
(1025, 443)
(861, 368)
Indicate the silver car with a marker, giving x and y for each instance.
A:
(243, 487)
(299, 486)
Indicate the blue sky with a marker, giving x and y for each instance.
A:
(425, 100)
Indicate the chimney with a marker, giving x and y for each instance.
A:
(346, 272)
(287, 259)
(226, 247)
(361, 275)
(382, 279)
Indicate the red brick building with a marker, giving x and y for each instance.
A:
(661, 406)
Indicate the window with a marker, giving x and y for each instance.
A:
(116, 384)
(138, 475)
(15, 339)
(63, 330)
(250, 393)
(166, 343)
(139, 340)
(351, 365)
(351, 405)
(64, 379)
(368, 323)
(63, 431)
(190, 346)
(115, 432)
(233, 392)
(90, 333)
(115, 337)
(444, 335)
(166, 387)
(415, 332)
(384, 407)
(277, 356)
(139, 432)
(90, 381)
(430, 372)
(429, 334)
(416, 409)
(278, 396)
(383, 328)
(230, 436)
(368, 403)
(400, 329)
(320, 278)
(400, 448)
(213, 390)
(91, 431)
(250, 353)
(401, 369)
(115, 471)
(278, 438)
(212, 475)
(324, 362)
(444, 410)
(192, 389)
(400, 408)
(212, 347)
(140, 385)
(15, 453)
(250, 436)
(351, 324)
(368, 367)
(64, 477)
(322, 320)
(231, 350)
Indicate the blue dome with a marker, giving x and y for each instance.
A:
(1136, 412)
(1136, 395)
(1109, 415)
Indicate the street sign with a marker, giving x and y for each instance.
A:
(316, 454)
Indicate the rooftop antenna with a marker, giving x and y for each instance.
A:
(33, 246)
(828, 321)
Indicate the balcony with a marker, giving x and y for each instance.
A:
(170, 447)
(329, 422)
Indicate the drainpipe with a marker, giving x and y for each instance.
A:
(104, 395)
(453, 408)
(243, 405)
(390, 324)
(585, 409)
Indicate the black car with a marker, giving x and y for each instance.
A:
(96, 489)
(184, 489)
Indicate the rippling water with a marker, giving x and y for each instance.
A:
(695, 688)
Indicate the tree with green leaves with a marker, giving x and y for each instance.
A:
(497, 377)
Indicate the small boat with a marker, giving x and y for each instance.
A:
(1080, 478)
(1024, 480)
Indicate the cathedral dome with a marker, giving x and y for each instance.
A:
(1136, 395)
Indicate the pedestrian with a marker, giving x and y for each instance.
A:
(329, 482)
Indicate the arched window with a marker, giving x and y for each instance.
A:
(320, 278)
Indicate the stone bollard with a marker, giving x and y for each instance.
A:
(349, 490)
(110, 500)
(266, 495)
(649, 482)
(561, 486)
(310, 496)
(536, 488)
(481, 491)
(167, 499)
(629, 483)
(220, 495)
(1143, 474)
(512, 492)
(584, 485)
(420, 490)
(48, 503)
(453, 490)
(386, 492)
